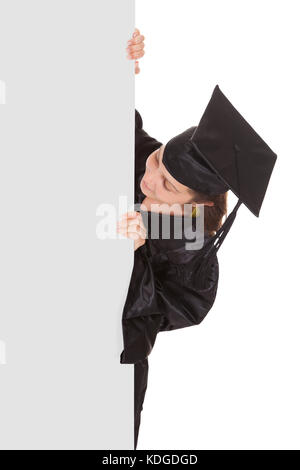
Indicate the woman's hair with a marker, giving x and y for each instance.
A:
(213, 215)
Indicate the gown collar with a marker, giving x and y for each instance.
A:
(173, 232)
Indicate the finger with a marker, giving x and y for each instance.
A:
(131, 54)
(132, 49)
(135, 36)
(123, 232)
(143, 233)
(137, 68)
(132, 226)
(136, 47)
(132, 232)
(131, 214)
(136, 33)
(141, 228)
(127, 222)
(138, 39)
(134, 236)
(136, 55)
(137, 229)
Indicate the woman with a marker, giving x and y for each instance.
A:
(155, 185)
(172, 286)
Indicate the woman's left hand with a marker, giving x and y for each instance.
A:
(135, 48)
(131, 226)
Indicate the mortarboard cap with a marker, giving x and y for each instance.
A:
(187, 165)
(223, 152)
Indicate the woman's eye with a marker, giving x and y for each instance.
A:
(165, 184)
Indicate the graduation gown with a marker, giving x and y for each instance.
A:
(166, 291)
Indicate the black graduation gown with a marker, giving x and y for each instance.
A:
(166, 291)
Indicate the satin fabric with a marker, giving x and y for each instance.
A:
(185, 163)
(166, 291)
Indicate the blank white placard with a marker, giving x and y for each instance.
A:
(69, 91)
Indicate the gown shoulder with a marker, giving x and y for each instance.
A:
(145, 144)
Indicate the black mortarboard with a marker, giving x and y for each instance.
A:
(223, 152)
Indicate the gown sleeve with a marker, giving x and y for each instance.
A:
(163, 295)
(144, 146)
(141, 318)
(144, 143)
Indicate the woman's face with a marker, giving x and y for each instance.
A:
(157, 183)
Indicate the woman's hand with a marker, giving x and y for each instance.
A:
(131, 226)
(135, 49)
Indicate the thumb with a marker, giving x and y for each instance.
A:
(136, 65)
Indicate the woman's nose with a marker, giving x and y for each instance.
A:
(150, 175)
(151, 164)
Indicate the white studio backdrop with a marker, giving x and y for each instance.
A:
(233, 381)
(66, 147)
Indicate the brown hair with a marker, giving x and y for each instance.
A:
(213, 215)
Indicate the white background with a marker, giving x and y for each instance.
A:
(233, 381)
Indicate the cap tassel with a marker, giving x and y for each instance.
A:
(213, 244)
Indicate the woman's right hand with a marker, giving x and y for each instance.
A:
(135, 48)
(131, 226)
